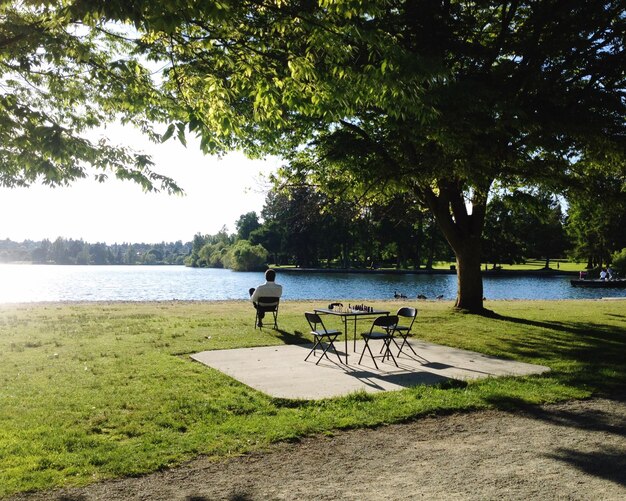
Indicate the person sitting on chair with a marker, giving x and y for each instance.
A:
(269, 289)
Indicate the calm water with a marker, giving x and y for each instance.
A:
(28, 283)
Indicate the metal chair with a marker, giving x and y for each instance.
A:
(404, 330)
(266, 305)
(387, 323)
(320, 335)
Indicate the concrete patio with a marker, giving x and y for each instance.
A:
(280, 371)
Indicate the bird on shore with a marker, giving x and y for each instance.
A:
(399, 295)
(421, 296)
(440, 296)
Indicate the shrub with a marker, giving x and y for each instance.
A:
(619, 261)
(243, 256)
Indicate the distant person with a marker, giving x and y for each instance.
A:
(609, 273)
(603, 274)
(269, 289)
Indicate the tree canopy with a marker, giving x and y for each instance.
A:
(65, 71)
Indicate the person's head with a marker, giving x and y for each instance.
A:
(270, 275)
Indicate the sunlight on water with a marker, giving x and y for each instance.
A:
(15, 282)
(36, 283)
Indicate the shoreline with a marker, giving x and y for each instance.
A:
(551, 272)
(499, 272)
(182, 302)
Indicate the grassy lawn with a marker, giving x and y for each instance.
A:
(529, 265)
(94, 391)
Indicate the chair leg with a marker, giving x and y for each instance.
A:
(315, 345)
(331, 343)
(406, 342)
(388, 351)
(367, 346)
(318, 343)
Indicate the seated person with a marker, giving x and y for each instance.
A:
(268, 289)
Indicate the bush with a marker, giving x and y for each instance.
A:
(243, 256)
(213, 255)
(619, 262)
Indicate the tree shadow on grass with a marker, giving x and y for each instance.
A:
(287, 337)
(577, 328)
(594, 352)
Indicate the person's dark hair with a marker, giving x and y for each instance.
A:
(270, 275)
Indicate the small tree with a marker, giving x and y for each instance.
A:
(619, 262)
(243, 256)
(213, 255)
(246, 224)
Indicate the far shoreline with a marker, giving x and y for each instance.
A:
(435, 271)
(542, 272)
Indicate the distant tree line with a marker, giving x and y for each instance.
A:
(69, 251)
(299, 225)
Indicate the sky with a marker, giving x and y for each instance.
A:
(217, 192)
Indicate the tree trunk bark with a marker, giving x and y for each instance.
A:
(420, 239)
(469, 277)
(431, 252)
(463, 232)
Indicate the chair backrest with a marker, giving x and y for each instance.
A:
(385, 321)
(314, 319)
(268, 304)
(408, 312)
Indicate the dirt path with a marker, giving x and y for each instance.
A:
(575, 450)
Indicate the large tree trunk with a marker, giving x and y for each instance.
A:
(469, 277)
(431, 251)
(420, 239)
(463, 232)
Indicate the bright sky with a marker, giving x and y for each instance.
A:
(218, 191)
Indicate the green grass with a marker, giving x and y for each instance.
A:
(529, 265)
(95, 391)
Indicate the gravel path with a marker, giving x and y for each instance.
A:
(574, 450)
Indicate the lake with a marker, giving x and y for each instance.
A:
(35, 283)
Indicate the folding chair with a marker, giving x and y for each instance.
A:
(266, 305)
(321, 334)
(387, 324)
(404, 330)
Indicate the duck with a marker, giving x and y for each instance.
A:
(399, 295)
(440, 296)
(421, 296)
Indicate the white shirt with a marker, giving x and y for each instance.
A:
(268, 289)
